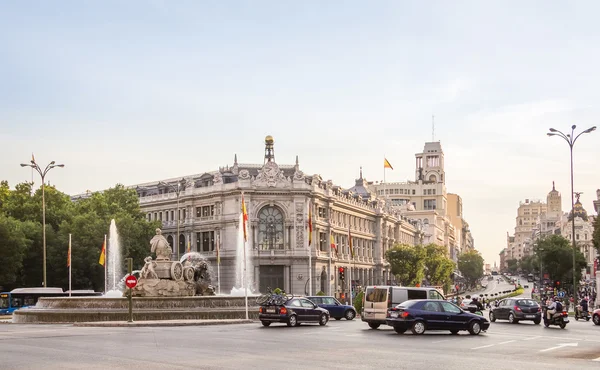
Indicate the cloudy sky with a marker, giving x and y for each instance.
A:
(136, 91)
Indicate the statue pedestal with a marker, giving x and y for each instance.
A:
(163, 288)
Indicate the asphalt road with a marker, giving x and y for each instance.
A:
(339, 345)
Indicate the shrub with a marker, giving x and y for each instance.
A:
(277, 291)
(320, 292)
(358, 301)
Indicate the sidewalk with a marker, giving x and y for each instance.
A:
(120, 324)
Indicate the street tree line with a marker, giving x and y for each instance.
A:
(86, 219)
(412, 265)
(554, 254)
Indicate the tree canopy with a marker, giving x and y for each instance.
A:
(596, 235)
(470, 265)
(87, 220)
(556, 254)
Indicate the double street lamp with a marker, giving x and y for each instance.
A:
(571, 139)
(33, 164)
(177, 189)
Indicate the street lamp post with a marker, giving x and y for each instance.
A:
(177, 192)
(571, 139)
(33, 164)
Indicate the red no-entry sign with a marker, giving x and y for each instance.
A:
(131, 281)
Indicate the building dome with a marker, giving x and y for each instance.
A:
(269, 140)
(579, 212)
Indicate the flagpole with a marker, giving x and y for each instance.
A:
(384, 182)
(245, 271)
(219, 262)
(70, 264)
(105, 266)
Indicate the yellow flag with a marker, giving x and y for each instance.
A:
(386, 164)
(103, 254)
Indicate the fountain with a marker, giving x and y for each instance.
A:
(166, 290)
(238, 288)
(114, 263)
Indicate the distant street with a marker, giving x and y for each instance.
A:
(339, 345)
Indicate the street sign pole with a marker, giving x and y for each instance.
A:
(129, 298)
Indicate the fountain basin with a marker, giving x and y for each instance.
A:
(91, 309)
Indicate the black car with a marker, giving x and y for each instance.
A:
(293, 312)
(517, 309)
(336, 309)
(434, 314)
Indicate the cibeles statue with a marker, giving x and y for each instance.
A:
(160, 246)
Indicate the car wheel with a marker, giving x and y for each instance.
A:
(454, 332)
(537, 322)
(596, 319)
(511, 319)
(266, 323)
(492, 317)
(292, 321)
(373, 325)
(399, 330)
(474, 328)
(323, 320)
(418, 328)
(350, 315)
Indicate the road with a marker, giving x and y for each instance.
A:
(339, 345)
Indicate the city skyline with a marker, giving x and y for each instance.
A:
(153, 91)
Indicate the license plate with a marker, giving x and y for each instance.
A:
(393, 314)
(270, 310)
(369, 314)
(566, 319)
(530, 316)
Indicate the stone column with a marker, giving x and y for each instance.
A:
(286, 279)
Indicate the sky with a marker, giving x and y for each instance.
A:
(139, 91)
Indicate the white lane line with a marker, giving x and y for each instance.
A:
(597, 359)
(559, 346)
(532, 338)
(489, 345)
(508, 341)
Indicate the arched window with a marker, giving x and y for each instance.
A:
(324, 281)
(270, 228)
(432, 178)
(181, 244)
(170, 240)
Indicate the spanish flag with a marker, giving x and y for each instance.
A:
(386, 164)
(310, 230)
(103, 254)
(333, 247)
(244, 218)
(69, 256)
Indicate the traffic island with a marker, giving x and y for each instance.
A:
(161, 323)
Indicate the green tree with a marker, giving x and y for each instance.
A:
(529, 264)
(4, 193)
(557, 255)
(13, 244)
(470, 265)
(437, 265)
(596, 235)
(407, 263)
(512, 265)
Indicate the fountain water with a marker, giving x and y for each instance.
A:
(238, 288)
(114, 262)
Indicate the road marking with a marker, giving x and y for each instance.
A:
(489, 345)
(597, 359)
(532, 338)
(508, 341)
(559, 346)
(440, 341)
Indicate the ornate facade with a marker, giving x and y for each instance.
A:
(278, 198)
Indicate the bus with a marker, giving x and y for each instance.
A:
(27, 297)
(530, 278)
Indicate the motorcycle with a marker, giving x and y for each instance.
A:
(559, 319)
(475, 310)
(579, 314)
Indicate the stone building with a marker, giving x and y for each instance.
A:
(426, 200)
(278, 198)
(597, 202)
(584, 231)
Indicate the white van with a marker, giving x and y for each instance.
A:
(377, 300)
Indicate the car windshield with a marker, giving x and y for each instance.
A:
(526, 302)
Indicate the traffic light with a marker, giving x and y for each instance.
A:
(341, 273)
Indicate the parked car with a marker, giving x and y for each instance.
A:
(294, 311)
(596, 316)
(517, 309)
(336, 309)
(426, 314)
(378, 299)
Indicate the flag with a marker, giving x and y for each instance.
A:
(350, 243)
(333, 247)
(103, 254)
(386, 164)
(244, 218)
(69, 257)
(310, 231)
(189, 248)
(218, 249)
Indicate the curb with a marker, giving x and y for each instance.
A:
(138, 324)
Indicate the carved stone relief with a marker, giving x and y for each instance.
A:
(244, 175)
(218, 179)
(271, 176)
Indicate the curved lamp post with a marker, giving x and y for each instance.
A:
(43, 173)
(177, 191)
(571, 139)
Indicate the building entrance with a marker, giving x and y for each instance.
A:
(271, 277)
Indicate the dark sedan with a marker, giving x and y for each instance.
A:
(517, 309)
(420, 315)
(336, 309)
(293, 312)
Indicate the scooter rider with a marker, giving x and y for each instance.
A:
(584, 306)
(552, 308)
(478, 304)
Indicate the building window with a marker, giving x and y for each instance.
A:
(322, 212)
(433, 191)
(414, 192)
(270, 228)
(172, 213)
(205, 241)
(323, 242)
(429, 204)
